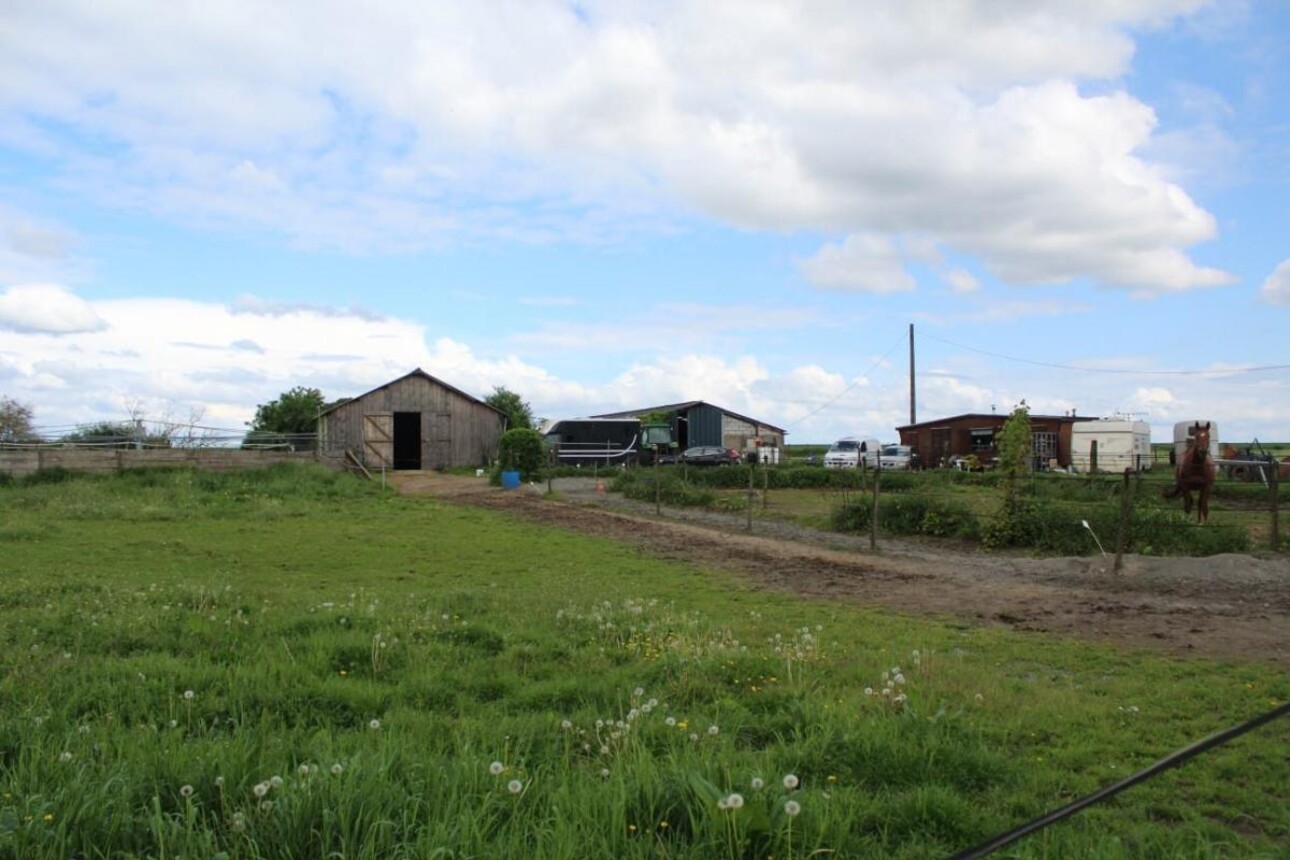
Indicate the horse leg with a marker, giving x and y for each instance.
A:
(1186, 494)
(1202, 506)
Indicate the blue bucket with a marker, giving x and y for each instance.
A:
(510, 480)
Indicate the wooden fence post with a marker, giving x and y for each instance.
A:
(1092, 457)
(765, 485)
(1274, 497)
(658, 491)
(873, 520)
(751, 492)
(1126, 517)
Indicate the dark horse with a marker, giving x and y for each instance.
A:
(1195, 471)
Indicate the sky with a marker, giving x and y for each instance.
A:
(605, 206)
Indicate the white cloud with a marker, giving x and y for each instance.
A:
(46, 309)
(1276, 289)
(539, 122)
(962, 281)
(863, 263)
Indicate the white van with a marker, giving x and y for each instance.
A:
(898, 457)
(850, 452)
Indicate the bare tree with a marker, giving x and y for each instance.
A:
(15, 421)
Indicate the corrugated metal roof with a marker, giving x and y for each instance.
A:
(689, 404)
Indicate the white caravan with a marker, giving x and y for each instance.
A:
(1121, 445)
(850, 452)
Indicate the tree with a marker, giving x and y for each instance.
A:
(293, 412)
(522, 451)
(1016, 446)
(519, 415)
(15, 421)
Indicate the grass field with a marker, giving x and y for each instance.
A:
(294, 664)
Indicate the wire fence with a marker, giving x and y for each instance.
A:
(154, 435)
(1050, 512)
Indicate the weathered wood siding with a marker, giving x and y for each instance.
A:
(455, 430)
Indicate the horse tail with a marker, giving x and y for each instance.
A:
(1173, 493)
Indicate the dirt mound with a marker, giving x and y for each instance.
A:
(1231, 606)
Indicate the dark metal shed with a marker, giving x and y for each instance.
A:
(698, 423)
(413, 422)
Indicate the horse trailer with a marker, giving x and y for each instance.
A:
(1120, 445)
(1182, 436)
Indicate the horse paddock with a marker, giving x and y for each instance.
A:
(1225, 606)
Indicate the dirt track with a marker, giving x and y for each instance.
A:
(1225, 606)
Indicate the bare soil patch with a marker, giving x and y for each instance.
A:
(1227, 606)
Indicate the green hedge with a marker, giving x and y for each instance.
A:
(909, 515)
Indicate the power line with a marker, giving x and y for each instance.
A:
(826, 404)
(1227, 372)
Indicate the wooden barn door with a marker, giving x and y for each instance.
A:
(378, 440)
(440, 439)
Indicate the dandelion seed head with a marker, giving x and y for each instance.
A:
(275, 781)
(337, 768)
(515, 786)
(757, 783)
(670, 721)
(186, 790)
(638, 692)
(496, 768)
(735, 801)
(65, 757)
(189, 694)
(604, 773)
(374, 725)
(791, 781)
(219, 782)
(303, 770)
(566, 725)
(792, 808)
(261, 789)
(713, 730)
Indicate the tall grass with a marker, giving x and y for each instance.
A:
(295, 664)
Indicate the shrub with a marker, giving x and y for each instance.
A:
(673, 489)
(909, 515)
(521, 450)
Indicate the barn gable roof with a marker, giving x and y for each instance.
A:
(417, 372)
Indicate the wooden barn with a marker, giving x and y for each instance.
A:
(973, 433)
(413, 422)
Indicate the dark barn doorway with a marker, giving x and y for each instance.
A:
(407, 440)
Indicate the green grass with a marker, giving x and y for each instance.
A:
(357, 661)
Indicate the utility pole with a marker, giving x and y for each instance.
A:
(913, 416)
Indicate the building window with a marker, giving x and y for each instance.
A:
(981, 439)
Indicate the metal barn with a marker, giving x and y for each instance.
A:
(413, 422)
(698, 423)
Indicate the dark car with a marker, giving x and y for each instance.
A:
(709, 455)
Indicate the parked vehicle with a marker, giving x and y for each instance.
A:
(710, 455)
(609, 441)
(898, 457)
(851, 452)
(1121, 444)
